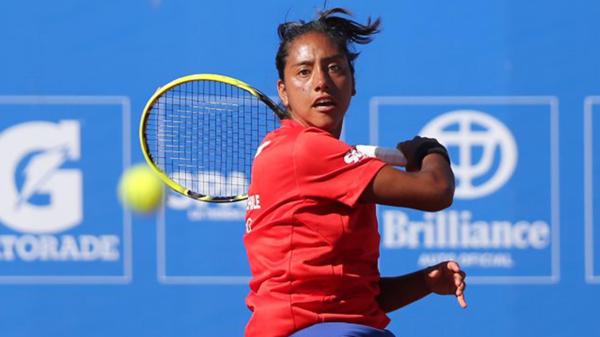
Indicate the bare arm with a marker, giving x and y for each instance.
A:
(429, 189)
(444, 279)
(399, 291)
(428, 185)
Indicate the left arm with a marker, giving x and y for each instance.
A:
(444, 278)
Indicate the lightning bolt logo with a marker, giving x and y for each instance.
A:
(39, 169)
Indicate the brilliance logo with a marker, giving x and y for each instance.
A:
(458, 230)
(455, 235)
(468, 129)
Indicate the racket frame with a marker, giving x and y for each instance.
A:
(189, 78)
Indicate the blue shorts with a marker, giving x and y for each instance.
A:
(341, 329)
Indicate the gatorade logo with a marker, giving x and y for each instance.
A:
(469, 130)
(33, 153)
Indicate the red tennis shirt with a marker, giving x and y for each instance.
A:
(312, 247)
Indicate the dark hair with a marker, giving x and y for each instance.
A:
(341, 30)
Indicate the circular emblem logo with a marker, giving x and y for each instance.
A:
(484, 145)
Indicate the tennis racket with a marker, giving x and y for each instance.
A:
(200, 133)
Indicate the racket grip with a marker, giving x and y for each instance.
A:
(390, 156)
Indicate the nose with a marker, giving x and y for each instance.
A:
(322, 80)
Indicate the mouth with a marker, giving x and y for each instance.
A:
(324, 103)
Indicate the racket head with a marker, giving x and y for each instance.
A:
(200, 132)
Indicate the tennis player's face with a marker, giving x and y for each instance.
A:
(318, 83)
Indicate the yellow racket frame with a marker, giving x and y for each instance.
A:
(196, 77)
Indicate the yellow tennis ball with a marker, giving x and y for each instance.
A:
(140, 189)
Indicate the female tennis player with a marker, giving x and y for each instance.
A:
(312, 235)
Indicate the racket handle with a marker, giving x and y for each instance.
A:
(390, 156)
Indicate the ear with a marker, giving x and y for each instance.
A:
(282, 92)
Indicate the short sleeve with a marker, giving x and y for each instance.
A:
(328, 168)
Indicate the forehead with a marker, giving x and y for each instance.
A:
(313, 45)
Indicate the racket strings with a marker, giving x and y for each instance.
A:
(203, 136)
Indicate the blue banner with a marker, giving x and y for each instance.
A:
(511, 88)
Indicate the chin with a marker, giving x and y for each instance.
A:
(329, 126)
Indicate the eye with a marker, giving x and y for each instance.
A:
(303, 72)
(336, 68)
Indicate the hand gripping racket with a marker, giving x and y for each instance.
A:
(199, 133)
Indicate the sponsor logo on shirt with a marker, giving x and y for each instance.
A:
(262, 147)
(354, 156)
(253, 202)
(249, 225)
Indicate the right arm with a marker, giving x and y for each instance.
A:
(429, 189)
(428, 185)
